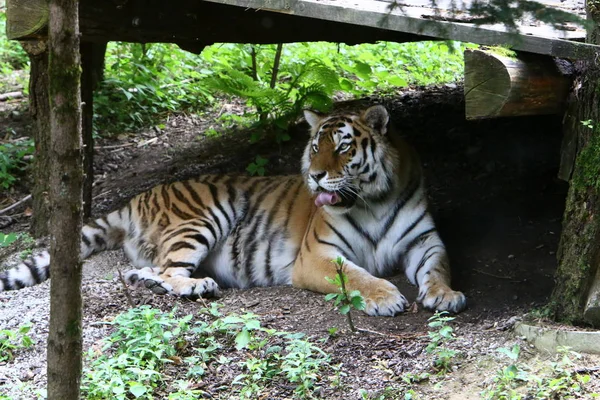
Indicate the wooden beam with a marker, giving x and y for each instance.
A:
(524, 84)
(406, 19)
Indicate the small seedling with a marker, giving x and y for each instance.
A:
(343, 300)
(442, 334)
(7, 239)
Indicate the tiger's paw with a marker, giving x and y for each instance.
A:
(149, 278)
(385, 300)
(194, 288)
(440, 297)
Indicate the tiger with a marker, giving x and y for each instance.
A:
(360, 196)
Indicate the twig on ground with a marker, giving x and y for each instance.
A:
(127, 294)
(115, 146)
(18, 203)
(497, 276)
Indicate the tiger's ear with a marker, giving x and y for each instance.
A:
(313, 118)
(377, 118)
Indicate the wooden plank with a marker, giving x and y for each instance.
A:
(377, 14)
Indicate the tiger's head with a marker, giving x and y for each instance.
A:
(348, 158)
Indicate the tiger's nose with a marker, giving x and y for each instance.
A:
(318, 176)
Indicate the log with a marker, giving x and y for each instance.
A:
(26, 19)
(503, 86)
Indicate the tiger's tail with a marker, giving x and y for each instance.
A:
(104, 233)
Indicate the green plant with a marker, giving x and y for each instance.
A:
(130, 361)
(8, 238)
(343, 300)
(12, 55)
(11, 341)
(258, 166)
(440, 336)
(557, 382)
(13, 156)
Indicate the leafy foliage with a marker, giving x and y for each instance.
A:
(145, 82)
(131, 363)
(13, 160)
(11, 341)
(12, 55)
(516, 382)
(144, 340)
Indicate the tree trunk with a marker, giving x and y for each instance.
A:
(92, 63)
(579, 249)
(66, 177)
(39, 107)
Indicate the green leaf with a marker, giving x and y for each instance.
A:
(242, 339)
(397, 81)
(330, 296)
(344, 309)
(358, 302)
(137, 389)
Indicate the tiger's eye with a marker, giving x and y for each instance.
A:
(315, 148)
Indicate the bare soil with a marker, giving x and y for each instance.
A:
(494, 195)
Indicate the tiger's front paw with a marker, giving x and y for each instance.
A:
(440, 297)
(385, 299)
(149, 278)
(194, 288)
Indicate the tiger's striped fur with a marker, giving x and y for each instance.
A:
(360, 196)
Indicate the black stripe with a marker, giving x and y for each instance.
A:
(412, 226)
(95, 225)
(251, 245)
(18, 284)
(373, 146)
(364, 143)
(278, 203)
(424, 260)
(338, 248)
(33, 270)
(185, 201)
(291, 204)
(268, 271)
(165, 196)
(179, 232)
(4, 279)
(85, 240)
(197, 199)
(180, 245)
(99, 241)
(342, 238)
(214, 193)
(181, 264)
(180, 213)
(360, 230)
(416, 240)
(200, 238)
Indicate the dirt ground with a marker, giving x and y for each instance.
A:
(494, 195)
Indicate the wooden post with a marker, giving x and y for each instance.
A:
(91, 71)
(39, 107)
(66, 181)
(498, 85)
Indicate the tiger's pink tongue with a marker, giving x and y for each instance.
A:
(326, 199)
